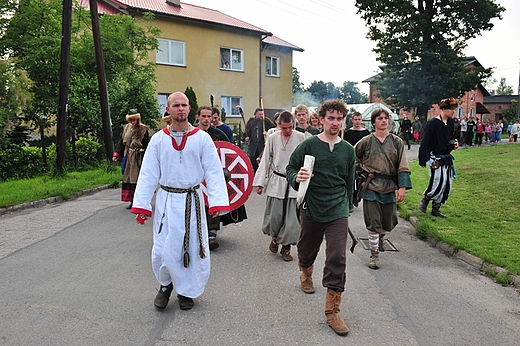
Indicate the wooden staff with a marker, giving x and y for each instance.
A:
(263, 116)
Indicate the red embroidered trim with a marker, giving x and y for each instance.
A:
(184, 138)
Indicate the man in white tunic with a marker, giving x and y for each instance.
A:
(178, 160)
(280, 218)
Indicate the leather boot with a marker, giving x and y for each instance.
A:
(334, 320)
(436, 210)
(373, 263)
(424, 204)
(306, 283)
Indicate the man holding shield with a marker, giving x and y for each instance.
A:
(324, 211)
(179, 158)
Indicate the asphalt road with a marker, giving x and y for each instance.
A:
(79, 273)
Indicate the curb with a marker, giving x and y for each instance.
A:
(465, 257)
(51, 200)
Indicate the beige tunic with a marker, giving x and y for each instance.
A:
(275, 159)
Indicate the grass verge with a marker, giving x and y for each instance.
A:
(482, 209)
(19, 191)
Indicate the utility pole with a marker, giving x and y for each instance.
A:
(102, 81)
(61, 126)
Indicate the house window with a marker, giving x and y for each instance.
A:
(171, 52)
(272, 66)
(231, 59)
(459, 113)
(472, 112)
(229, 103)
(163, 102)
(472, 97)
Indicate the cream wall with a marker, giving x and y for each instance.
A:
(277, 91)
(202, 71)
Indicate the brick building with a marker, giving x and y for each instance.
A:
(478, 103)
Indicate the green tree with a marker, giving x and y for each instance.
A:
(33, 40)
(130, 75)
(421, 44)
(7, 8)
(192, 97)
(322, 91)
(350, 93)
(13, 94)
(297, 86)
(503, 88)
(510, 114)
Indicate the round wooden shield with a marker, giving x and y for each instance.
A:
(241, 174)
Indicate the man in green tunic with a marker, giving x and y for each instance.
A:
(324, 211)
(382, 155)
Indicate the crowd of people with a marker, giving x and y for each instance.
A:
(306, 204)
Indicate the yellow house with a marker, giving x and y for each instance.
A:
(217, 55)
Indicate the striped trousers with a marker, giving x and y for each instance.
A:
(439, 187)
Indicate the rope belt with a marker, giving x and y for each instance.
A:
(187, 220)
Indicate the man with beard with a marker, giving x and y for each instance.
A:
(325, 209)
(179, 158)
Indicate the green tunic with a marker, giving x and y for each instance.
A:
(388, 161)
(329, 195)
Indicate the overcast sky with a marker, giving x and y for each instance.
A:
(333, 37)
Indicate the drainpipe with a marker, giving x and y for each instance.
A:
(262, 46)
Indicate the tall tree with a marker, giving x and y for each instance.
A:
(297, 86)
(350, 93)
(13, 93)
(322, 91)
(503, 88)
(421, 44)
(32, 39)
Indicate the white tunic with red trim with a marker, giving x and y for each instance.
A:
(181, 166)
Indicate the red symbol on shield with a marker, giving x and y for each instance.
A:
(237, 162)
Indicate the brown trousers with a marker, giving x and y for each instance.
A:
(311, 237)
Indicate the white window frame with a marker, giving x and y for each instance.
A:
(229, 103)
(272, 66)
(172, 46)
(162, 99)
(234, 57)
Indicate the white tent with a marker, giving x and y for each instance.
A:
(366, 111)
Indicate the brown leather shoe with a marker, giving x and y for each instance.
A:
(273, 246)
(286, 253)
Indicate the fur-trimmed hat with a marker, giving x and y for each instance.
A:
(133, 115)
(449, 103)
(166, 118)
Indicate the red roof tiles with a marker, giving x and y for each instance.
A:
(186, 11)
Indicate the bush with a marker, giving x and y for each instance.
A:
(89, 153)
(18, 161)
